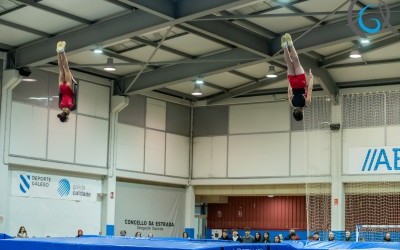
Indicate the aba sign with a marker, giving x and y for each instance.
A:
(368, 24)
(374, 160)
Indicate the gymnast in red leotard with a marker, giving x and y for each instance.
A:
(66, 89)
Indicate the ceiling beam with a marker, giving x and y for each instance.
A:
(163, 47)
(161, 8)
(24, 28)
(121, 4)
(297, 10)
(233, 34)
(6, 47)
(55, 11)
(214, 86)
(222, 62)
(247, 87)
(243, 75)
(369, 83)
(112, 30)
(365, 49)
(177, 94)
(326, 35)
(328, 84)
(365, 63)
(113, 54)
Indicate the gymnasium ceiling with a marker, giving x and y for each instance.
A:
(163, 45)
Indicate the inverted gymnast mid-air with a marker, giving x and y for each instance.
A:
(299, 91)
(67, 98)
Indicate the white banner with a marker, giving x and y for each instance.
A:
(370, 160)
(54, 187)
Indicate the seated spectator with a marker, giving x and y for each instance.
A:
(266, 238)
(138, 234)
(225, 235)
(280, 237)
(150, 235)
(80, 233)
(347, 236)
(185, 235)
(122, 233)
(315, 236)
(292, 235)
(331, 236)
(277, 239)
(257, 238)
(235, 236)
(387, 237)
(248, 238)
(22, 233)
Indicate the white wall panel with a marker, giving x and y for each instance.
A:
(310, 153)
(155, 152)
(156, 114)
(177, 155)
(263, 117)
(93, 99)
(393, 136)
(130, 148)
(149, 203)
(258, 155)
(28, 130)
(61, 141)
(361, 137)
(91, 141)
(210, 156)
(43, 217)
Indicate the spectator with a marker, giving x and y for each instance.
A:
(280, 237)
(292, 235)
(257, 238)
(138, 234)
(315, 236)
(150, 235)
(387, 237)
(225, 235)
(347, 236)
(185, 235)
(331, 236)
(248, 238)
(266, 238)
(277, 239)
(80, 233)
(122, 233)
(235, 236)
(22, 233)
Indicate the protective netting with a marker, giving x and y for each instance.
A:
(367, 120)
(375, 208)
(317, 118)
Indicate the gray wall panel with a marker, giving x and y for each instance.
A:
(178, 119)
(211, 121)
(35, 93)
(135, 112)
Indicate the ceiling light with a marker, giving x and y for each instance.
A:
(364, 41)
(110, 65)
(270, 196)
(26, 79)
(197, 90)
(271, 72)
(98, 50)
(355, 53)
(199, 80)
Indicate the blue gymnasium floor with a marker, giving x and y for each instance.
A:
(111, 243)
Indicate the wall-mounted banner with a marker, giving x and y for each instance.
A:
(379, 160)
(54, 187)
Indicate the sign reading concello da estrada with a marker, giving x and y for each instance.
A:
(149, 224)
(374, 160)
(53, 186)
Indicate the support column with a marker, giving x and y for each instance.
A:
(189, 211)
(118, 103)
(337, 192)
(10, 80)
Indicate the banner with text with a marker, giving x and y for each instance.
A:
(374, 160)
(54, 187)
